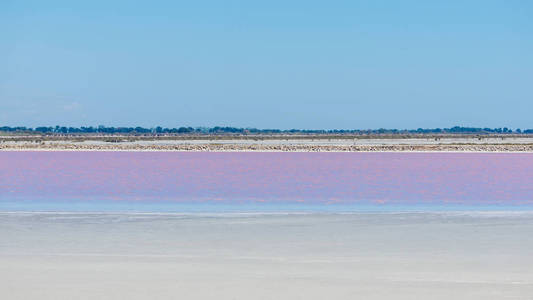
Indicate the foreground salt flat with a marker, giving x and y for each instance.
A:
(471, 255)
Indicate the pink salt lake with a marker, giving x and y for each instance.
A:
(279, 178)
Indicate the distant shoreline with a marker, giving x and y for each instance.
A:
(488, 148)
(213, 143)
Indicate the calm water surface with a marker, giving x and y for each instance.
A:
(177, 181)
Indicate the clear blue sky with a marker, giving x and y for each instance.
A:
(267, 64)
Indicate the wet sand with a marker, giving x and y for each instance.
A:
(434, 255)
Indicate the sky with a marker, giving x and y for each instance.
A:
(267, 64)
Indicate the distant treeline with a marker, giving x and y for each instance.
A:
(244, 131)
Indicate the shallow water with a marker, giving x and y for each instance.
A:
(203, 181)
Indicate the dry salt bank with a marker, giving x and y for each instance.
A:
(430, 255)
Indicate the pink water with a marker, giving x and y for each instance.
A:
(380, 179)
